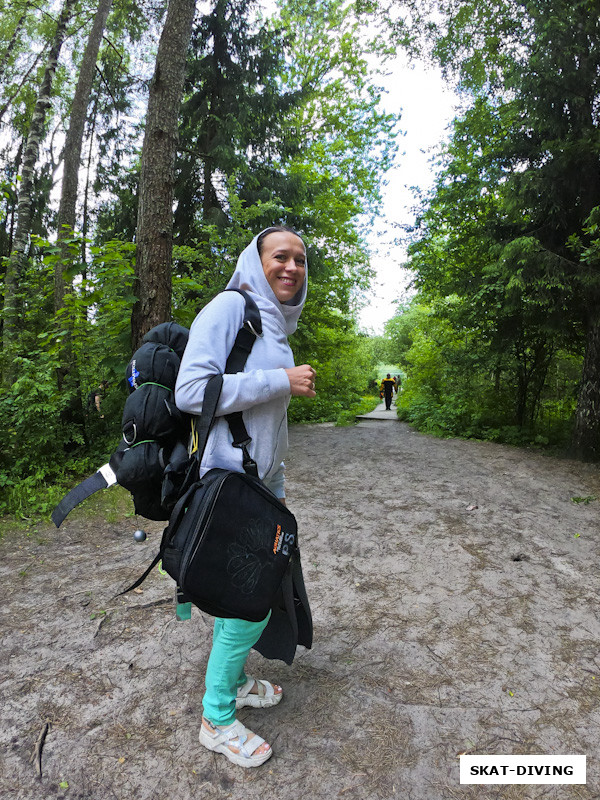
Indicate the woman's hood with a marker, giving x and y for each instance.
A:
(249, 275)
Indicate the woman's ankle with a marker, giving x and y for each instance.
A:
(213, 726)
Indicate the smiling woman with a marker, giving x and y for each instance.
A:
(273, 271)
(283, 257)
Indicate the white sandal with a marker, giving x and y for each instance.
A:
(265, 698)
(236, 735)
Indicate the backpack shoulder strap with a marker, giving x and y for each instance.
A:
(247, 334)
(251, 330)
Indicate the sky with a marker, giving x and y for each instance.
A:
(428, 105)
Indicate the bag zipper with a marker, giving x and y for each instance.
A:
(190, 552)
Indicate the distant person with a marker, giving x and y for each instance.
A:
(387, 387)
(397, 383)
(95, 398)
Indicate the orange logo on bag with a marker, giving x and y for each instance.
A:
(277, 537)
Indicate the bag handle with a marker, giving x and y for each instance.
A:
(201, 425)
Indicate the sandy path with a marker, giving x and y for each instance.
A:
(438, 630)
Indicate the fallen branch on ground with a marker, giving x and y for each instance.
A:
(36, 756)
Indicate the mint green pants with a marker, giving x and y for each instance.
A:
(232, 641)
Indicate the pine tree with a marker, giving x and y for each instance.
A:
(155, 215)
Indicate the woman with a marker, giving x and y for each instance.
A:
(273, 270)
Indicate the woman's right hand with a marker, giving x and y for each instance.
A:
(302, 381)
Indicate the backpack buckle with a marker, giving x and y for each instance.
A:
(250, 327)
(243, 444)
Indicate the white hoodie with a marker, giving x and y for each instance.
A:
(262, 390)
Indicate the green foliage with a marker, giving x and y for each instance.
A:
(505, 251)
(49, 435)
(202, 269)
(35, 439)
(280, 124)
(380, 349)
(456, 384)
(341, 357)
(97, 311)
(585, 500)
(367, 403)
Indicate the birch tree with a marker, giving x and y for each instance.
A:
(17, 257)
(6, 55)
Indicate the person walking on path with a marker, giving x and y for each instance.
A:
(273, 270)
(387, 387)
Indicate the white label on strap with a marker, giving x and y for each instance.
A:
(108, 474)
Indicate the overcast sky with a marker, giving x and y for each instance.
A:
(427, 107)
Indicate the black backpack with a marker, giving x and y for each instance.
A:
(152, 461)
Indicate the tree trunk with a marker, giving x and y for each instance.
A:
(73, 414)
(15, 266)
(154, 235)
(73, 144)
(522, 386)
(86, 194)
(16, 166)
(586, 436)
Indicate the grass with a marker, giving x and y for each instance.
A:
(112, 505)
(368, 403)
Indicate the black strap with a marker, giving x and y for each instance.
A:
(235, 363)
(252, 319)
(77, 495)
(212, 392)
(241, 439)
(240, 351)
(143, 577)
(244, 341)
(176, 515)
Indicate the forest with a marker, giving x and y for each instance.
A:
(143, 143)
(502, 339)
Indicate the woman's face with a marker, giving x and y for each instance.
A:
(283, 259)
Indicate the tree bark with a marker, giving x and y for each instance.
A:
(154, 235)
(586, 436)
(86, 193)
(73, 145)
(16, 262)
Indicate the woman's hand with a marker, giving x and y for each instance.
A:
(302, 381)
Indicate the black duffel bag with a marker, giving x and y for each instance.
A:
(142, 464)
(170, 333)
(228, 545)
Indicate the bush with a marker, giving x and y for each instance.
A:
(367, 403)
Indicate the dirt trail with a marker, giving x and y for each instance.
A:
(438, 630)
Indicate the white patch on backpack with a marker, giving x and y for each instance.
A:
(134, 375)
